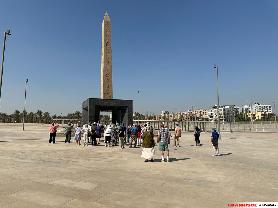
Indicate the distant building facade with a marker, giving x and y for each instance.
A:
(257, 111)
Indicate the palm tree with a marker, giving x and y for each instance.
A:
(16, 116)
(30, 117)
(4, 117)
(46, 117)
(24, 113)
(39, 115)
(77, 115)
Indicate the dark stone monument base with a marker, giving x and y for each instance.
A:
(122, 110)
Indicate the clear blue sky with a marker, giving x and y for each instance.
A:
(163, 48)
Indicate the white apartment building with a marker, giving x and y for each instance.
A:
(257, 111)
(213, 114)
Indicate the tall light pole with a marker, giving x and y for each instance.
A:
(217, 92)
(25, 95)
(274, 112)
(6, 33)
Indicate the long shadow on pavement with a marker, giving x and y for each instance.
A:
(224, 154)
(173, 159)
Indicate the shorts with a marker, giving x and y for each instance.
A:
(163, 146)
(177, 137)
(214, 143)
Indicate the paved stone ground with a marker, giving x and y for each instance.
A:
(37, 174)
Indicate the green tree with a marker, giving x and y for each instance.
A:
(39, 116)
(77, 115)
(30, 117)
(25, 116)
(46, 117)
(138, 116)
(16, 116)
(4, 118)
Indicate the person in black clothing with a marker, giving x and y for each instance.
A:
(94, 134)
(197, 134)
(68, 132)
(98, 132)
(122, 135)
(128, 132)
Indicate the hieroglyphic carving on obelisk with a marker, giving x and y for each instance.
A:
(106, 90)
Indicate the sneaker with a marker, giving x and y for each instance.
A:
(152, 160)
(146, 160)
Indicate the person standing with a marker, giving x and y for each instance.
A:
(133, 134)
(128, 132)
(148, 144)
(94, 134)
(52, 132)
(107, 135)
(177, 136)
(85, 130)
(197, 134)
(78, 131)
(68, 132)
(115, 134)
(139, 134)
(163, 139)
(98, 132)
(214, 141)
(122, 135)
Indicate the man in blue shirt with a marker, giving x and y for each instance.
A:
(214, 141)
(134, 134)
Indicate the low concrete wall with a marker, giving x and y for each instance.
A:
(266, 126)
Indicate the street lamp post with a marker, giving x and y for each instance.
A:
(217, 92)
(25, 95)
(6, 33)
(274, 112)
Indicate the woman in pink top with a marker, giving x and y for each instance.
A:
(52, 130)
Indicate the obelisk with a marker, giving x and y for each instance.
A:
(122, 110)
(106, 90)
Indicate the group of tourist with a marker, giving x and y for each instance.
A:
(135, 135)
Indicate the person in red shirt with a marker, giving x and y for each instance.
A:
(52, 130)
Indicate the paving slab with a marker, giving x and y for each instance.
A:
(35, 173)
